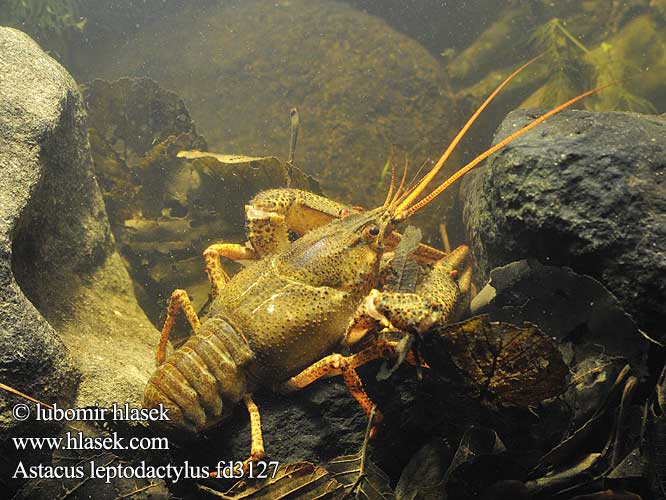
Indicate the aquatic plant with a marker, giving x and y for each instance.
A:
(567, 70)
(585, 44)
(573, 67)
(43, 17)
(609, 67)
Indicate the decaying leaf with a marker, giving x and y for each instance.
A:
(657, 454)
(348, 476)
(575, 475)
(304, 481)
(481, 461)
(501, 362)
(422, 478)
(609, 495)
(374, 485)
(362, 479)
(260, 167)
(582, 463)
(299, 481)
(474, 442)
(572, 444)
(405, 270)
(191, 155)
(404, 277)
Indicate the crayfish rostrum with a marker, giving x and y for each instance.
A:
(279, 322)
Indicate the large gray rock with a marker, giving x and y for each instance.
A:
(59, 268)
(56, 229)
(584, 190)
(32, 357)
(67, 309)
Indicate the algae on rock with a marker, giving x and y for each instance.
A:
(357, 83)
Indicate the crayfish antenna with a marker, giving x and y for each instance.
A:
(415, 180)
(457, 175)
(398, 192)
(389, 195)
(445, 156)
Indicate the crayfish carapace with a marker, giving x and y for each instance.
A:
(279, 322)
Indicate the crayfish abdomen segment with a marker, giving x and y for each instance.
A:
(202, 381)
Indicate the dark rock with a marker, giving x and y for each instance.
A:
(324, 421)
(584, 190)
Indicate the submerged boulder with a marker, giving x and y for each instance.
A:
(71, 331)
(585, 190)
(34, 111)
(67, 309)
(63, 252)
(358, 84)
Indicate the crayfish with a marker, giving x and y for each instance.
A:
(281, 320)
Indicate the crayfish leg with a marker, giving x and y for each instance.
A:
(337, 364)
(233, 251)
(179, 301)
(257, 448)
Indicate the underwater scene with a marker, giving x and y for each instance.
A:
(333, 249)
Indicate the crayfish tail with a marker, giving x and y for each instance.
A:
(202, 381)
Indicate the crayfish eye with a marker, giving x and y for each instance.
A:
(372, 230)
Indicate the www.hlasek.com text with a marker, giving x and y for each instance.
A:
(79, 441)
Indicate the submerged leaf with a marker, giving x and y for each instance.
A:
(474, 442)
(422, 478)
(572, 444)
(348, 476)
(299, 481)
(480, 462)
(304, 481)
(374, 485)
(609, 495)
(504, 363)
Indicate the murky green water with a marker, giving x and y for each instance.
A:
(235, 150)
